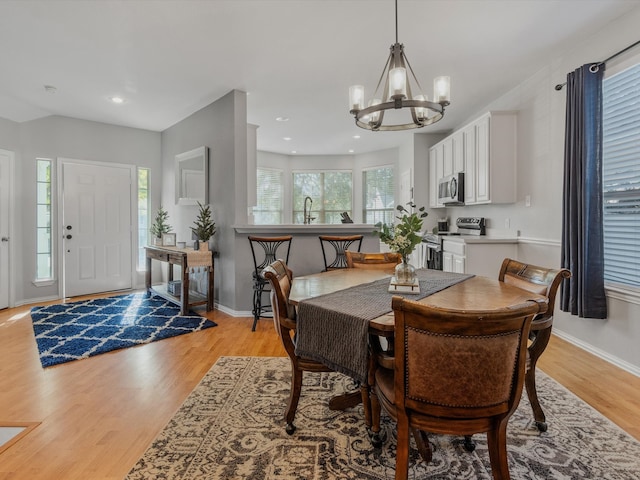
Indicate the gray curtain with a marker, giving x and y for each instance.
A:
(582, 233)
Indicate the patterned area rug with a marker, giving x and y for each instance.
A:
(231, 427)
(71, 331)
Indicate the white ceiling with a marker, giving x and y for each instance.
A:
(295, 58)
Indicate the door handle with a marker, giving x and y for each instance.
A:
(68, 237)
(5, 239)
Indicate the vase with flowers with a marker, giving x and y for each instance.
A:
(402, 238)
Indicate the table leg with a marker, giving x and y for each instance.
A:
(147, 276)
(184, 305)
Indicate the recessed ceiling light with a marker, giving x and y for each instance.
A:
(293, 151)
(351, 150)
(117, 99)
(286, 138)
(282, 119)
(356, 136)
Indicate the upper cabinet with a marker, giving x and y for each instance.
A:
(486, 151)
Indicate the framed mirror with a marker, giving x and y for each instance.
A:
(192, 177)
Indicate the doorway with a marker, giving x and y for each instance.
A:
(97, 228)
(6, 160)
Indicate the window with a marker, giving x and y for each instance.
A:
(330, 192)
(621, 177)
(44, 257)
(269, 206)
(378, 201)
(143, 216)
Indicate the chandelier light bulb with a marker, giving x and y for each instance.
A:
(356, 97)
(442, 89)
(421, 113)
(398, 83)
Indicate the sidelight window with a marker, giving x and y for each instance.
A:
(143, 216)
(44, 243)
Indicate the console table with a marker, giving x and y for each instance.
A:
(186, 258)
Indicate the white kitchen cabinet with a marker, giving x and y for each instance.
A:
(447, 262)
(453, 256)
(477, 255)
(494, 178)
(485, 150)
(457, 151)
(436, 171)
(447, 156)
(470, 155)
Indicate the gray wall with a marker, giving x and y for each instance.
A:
(221, 126)
(53, 137)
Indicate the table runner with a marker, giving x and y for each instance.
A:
(333, 328)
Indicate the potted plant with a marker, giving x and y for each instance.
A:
(402, 238)
(205, 227)
(160, 226)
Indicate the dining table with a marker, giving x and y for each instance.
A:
(328, 301)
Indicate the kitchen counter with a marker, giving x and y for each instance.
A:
(479, 239)
(315, 228)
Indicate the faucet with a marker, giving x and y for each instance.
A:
(307, 212)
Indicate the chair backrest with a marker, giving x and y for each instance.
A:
(540, 280)
(339, 244)
(270, 248)
(373, 261)
(280, 277)
(460, 364)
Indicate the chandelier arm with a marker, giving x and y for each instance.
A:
(413, 75)
(385, 70)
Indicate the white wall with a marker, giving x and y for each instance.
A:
(541, 116)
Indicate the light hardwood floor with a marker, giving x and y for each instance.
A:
(100, 414)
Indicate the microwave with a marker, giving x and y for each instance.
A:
(451, 189)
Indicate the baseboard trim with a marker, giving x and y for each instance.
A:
(233, 313)
(31, 301)
(618, 362)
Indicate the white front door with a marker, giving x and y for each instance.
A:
(96, 228)
(5, 182)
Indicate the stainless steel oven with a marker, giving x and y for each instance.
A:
(433, 242)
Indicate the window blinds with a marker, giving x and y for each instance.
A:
(621, 177)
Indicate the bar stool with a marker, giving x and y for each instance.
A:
(339, 244)
(269, 254)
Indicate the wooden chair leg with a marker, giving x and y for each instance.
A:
(540, 342)
(497, 443)
(402, 452)
(376, 439)
(294, 398)
(422, 443)
(366, 404)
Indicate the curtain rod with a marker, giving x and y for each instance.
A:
(597, 64)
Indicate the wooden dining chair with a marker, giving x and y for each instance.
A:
(280, 278)
(264, 251)
(455, 373)
(372, 261)
(339, 244)
(543, 281)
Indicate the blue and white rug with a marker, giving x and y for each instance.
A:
(71, 331)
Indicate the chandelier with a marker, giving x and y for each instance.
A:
(397, 95)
